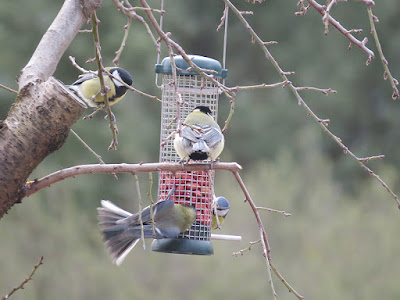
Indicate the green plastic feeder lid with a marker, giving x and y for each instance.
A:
(201, 61)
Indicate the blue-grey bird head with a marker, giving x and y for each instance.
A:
(204, 109)
(222, 205)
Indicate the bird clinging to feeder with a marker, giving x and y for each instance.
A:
(200, 138)
(122, 230)
(220, 208)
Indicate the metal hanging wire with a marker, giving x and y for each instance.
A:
(226, 16)
(159, 43)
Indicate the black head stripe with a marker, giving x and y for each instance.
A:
(124, 74)
(204, 109)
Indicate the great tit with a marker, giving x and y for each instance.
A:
(200, 137)
(122, 230)
(220, 208)
(88, 87)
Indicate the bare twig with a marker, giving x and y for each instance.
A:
(74, 63)
(223, 18)
(87, 146)
(367, 159)
(289, 287)
(90, 150)
(174, 82)
(303, 8)
(254, 208)
(387, 74)
(231, 112)
(149, 194)
(258, 86)
(150, 9)
(8, 89)
(123, 43)
(240, 252)
(275, 210)
(263, 235)
(267, 261)
(130, 12)
(85, 31)
(26, 280)
(170, 136)
(323, 91)
(111, 118)
(140, 208)
(325, 18)
(342, 30)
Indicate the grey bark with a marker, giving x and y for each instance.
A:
(39, 121)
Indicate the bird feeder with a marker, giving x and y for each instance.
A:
(187, 187)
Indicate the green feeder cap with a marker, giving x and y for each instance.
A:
(201, 61)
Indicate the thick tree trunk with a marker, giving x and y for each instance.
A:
(37, 124)
(39, 121)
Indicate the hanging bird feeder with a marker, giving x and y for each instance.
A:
(195, 187)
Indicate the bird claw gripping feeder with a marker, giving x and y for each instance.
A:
(187, 187)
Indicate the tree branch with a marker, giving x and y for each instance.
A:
(36, 185)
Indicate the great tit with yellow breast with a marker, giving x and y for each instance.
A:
(200, 138)
(220, 208)
(122, 230)
(88, 87)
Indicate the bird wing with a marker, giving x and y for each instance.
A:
(176, 219)
(159, 209)
(134, 219)
(84, 77)
(163, 209)
(165, 223)
(191, 134)
(211, 135)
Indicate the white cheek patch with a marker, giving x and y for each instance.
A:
(116, 75)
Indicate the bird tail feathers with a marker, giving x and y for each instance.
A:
(116, 235)
(201, 146)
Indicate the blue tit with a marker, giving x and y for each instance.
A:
(88, 87)
(220, 208)
(122, 230)
(200, 138)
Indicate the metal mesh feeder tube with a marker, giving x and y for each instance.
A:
(184, 187)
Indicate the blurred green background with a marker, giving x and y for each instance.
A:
(341, 240)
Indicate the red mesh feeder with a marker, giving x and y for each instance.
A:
(189, 188)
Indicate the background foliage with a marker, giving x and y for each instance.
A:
(341, 241)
